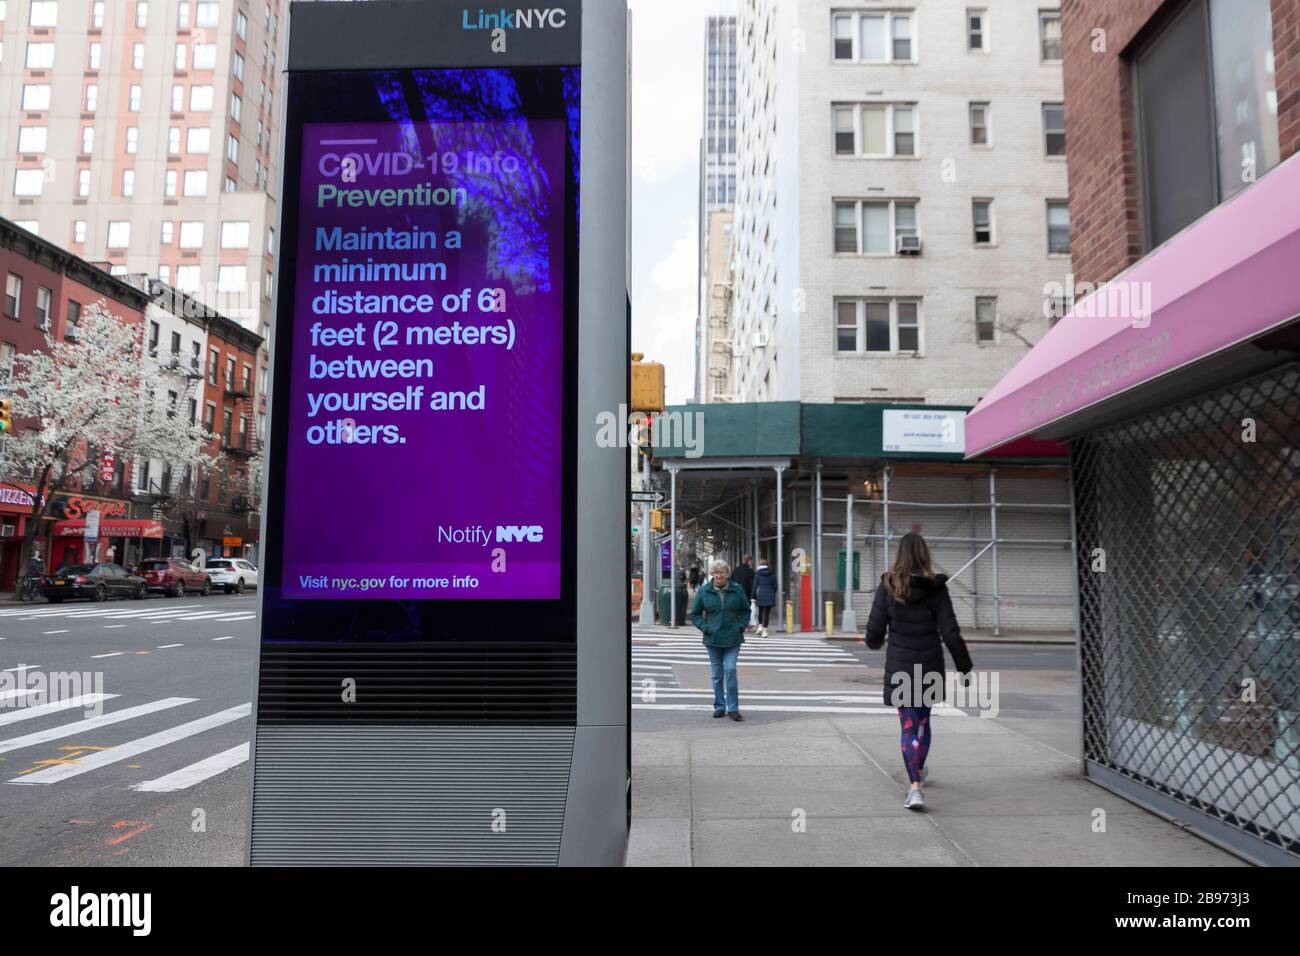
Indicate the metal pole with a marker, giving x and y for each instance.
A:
(993, 533)
(849, 619)
(672, 551)
(780, 547)
(755, 550)
(884, 486)
(817, 550)
(648, 560)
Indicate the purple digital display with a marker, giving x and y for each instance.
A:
(424, 440)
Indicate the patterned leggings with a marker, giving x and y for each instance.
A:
(916, 739)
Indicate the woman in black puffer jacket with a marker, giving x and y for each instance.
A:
(913, 604)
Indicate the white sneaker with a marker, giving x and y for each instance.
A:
(915, 799)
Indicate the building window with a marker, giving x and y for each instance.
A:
(977, 30)
(168, 232)
(201, 99)
(1058, 227)
(983, 216)
(230, 373)
(882, 223)
(179, 63)
(93, 54)
(230, 184)
(36, 97)
(83, 183)
(174, 141)
(32, 139)
(1195, 152)
(881, 37)
(128, 182)
(232, 148)
(196, 182)
(878, 326)
(236, 106)
(137, 56)
(205, 56)
(239, 68)
(154, 331)
(87, 140)
(209, 415)
(875, 129)
(44, 301)
(40, 56)
(188, 278)
(133, 97)
(214, 363)
(119, 234)
(1049, 35)
(241, 26)
(981, 133)
(183, 15)
(92, 97)
(13, 294)
(986, 319)
(178, 97)
(234, 235)
(141, 14)
(97, 14)
(72, 319)
(198, 139)
(79, 230)
(207, 13)
(7, 354)
(132, 139)
(44, 13)
(232, 278)
(29, 182)
(1054, 129)
(169, 184)
(192, 234)
(165, 273)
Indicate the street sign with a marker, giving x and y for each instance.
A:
(647, 497)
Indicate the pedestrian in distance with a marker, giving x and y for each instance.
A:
(720, 610)
(744, 576)
(764, 594)
(913, 605)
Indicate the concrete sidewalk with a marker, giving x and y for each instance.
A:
(974, 636)
(1006, 790)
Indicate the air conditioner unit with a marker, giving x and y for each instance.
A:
(73, 334)
(760, 340)
(8, 531)
(909, 245)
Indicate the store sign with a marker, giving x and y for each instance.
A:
(92, 526)
(924, 431)
(107, 466)
(74, 507)
(16, 496)
(428, 341)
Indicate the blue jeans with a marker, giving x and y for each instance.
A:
(722, 668)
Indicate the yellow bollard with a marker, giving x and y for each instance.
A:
(830, 618)
(789, 617)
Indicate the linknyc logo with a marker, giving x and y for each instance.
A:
(532, 18)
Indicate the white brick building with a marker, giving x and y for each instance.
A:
(863, 124)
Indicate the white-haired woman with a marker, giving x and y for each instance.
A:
(721, 611)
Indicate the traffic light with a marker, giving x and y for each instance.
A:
(657, 520)
(6, 419)
(647, 385)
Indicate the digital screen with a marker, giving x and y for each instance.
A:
(423, 440)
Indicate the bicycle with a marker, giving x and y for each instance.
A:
(29, 587)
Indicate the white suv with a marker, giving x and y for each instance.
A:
(232, 574)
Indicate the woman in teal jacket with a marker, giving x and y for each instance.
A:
(721, 612)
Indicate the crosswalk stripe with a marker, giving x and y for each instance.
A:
(785, 708)
(95, 657)
(91, 723)
(196, 772)
(11, 694)
(235, 617)
(40, 710)
(136, 747)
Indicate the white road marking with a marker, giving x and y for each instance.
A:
(64, 631)
(228, 637)
(797, 710)
(95, 657)
(40, 710)
(109, 627)
(20, 667)
(133, 748)
(196, 772)
(163, 647)
(91, 723)
(235, 617)
(11, 694)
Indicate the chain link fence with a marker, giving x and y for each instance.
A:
(1189, 583)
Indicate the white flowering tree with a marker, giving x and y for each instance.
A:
(94, 390)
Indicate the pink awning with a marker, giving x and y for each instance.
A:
(1226, 279)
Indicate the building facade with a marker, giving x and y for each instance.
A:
(717, 186)
(144, 137)
(717, 382)
(1177, 386)
(902, 201)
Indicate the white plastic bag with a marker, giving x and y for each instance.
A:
(753, 614)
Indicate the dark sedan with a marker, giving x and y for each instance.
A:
(97, 582)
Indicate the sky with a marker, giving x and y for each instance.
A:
(667, 118)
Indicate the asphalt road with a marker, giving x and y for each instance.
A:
(154, 771)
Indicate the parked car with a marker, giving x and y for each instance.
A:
(98, 582)
(232, 574)
(174, 577)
